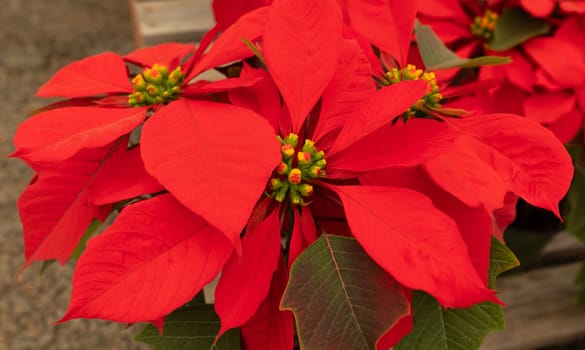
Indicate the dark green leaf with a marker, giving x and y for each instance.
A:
(436, 55)
(192, 327)
(501, 260)
(340, 297)
(515, 27)
(436, 328)
(91, 229)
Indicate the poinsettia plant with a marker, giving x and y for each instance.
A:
(537, 84)
(339, 191)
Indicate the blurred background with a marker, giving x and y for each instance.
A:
(38, 37)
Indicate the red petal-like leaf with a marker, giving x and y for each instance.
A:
(351, 85)
(415, 242)
(122, 177)
(227, 12)
(474, 224)
(526, 155)
(388, 24)
(270, 328)
(382, 107)
(546, 50)
(304, 233)
(154, 258)
(59, 134)
(105, 73)
(549, 106)
(417, 141)
(302, 43)
(245, 280)
(203, 87)
(263, 97)
(541, 8)
(471, 180)
(168, 54)
(55, 210)
(229, 46)
(210, 156)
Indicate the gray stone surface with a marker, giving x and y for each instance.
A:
(36, 38)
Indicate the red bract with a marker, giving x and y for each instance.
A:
(543, 87)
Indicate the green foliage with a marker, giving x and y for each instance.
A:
(192, 327)
(436, 328)
(340, 297)
(436, 55)
(515, 27)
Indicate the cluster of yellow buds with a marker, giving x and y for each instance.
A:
(431, 100)
(296, 170)
(484, 26)
(156, 85)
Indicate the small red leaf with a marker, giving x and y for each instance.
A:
(154, 258)
(379, 110)
(304, 233)
(417, 141)
(105, 73)
(229, 45)
(225, 155)
(263, 97)
(473, 181)
(270, 328)
(416, 243)
(474, 224)
(525, 154)
(245, 280)
(351, 85)
(203, 87)
(226, 12)
(545, 52)
(387, 24)
(168, 54)
(55, 210)
(302, 43)
(59, 134)
(122, 177)
(549, 106)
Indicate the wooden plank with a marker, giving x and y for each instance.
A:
(159, 21)
(542, 309)
(563, 247)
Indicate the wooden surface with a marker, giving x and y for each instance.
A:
(158, 21)
(542, 308)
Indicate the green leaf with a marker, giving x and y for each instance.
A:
(192, 327)
(515, 27)
(436, 55)
(91, 229)
(340, 297)
(436, 328)
(501, 260)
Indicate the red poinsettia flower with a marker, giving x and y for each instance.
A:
(535, 84)
(70, 142)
